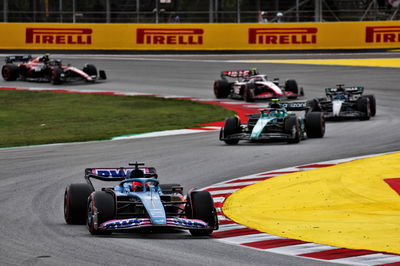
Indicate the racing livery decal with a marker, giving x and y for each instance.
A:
(382, 34)
(58, 36)
(283, 35)
(169, 36)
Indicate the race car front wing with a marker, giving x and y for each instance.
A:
(263, 136)
(132, 223)
(344, 115)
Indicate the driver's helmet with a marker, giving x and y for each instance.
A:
(253, 71)
(273, 112)
(275, 105)
(45, 58)
(340, 96)
(136, 186)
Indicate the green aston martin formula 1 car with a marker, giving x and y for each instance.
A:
(290, 122)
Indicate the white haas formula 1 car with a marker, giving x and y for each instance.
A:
(250, 85)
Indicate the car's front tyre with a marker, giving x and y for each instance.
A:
(292, 127)
(202, 208)
(231, 126)
(372, 104)
(100, 208)
(363, 105)
(90, 70)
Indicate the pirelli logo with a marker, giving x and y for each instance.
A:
(58, 36)
(382, 34)
(283, 35)
(170, 36)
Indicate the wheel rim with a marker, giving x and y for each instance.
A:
(66, 205)
(216, 90)
(5, 73)
(90, 222)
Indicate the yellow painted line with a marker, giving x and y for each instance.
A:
(348, 205)
(372, 62)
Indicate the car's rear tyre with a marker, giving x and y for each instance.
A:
(372, 104)
(363, 105)
(292, 127)
(101, 208)
(10, 72)
(75, 203)
(90, 69)
(56, 76)
(315, 125)
(231, 126)
(221, 89)
(202, 208)
(248, 94)
(291, 85)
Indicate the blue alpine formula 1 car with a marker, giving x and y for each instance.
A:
(290, 122)
(138, 201)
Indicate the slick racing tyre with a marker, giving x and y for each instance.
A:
(90, 69)
(248, 94)
(291, 85)
(292, 127)
(9, 72)
(56, 76)
(231, 126)
(100, 208)
(315, 125)
(221, 89)
(75, 200)
(372, 104)
(202, 208)
(363, 105)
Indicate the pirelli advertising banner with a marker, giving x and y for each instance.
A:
(267, 36)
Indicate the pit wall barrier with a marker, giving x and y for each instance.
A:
(227, 37)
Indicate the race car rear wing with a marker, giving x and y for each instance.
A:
(239, 73)
(18, 58)
(117, 174)
(348, 90)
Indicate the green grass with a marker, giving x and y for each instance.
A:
(31, 117)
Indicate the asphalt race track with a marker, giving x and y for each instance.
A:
(32, 182)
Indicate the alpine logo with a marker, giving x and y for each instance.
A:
(382, 34)
(59, 35)
(283, 35)
(169, 36)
